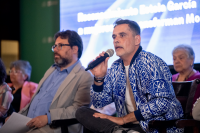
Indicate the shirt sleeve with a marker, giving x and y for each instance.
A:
(49, 117)
(102, 95)
(138, 115)
(6, 101)
(97, 88)
(158, 89)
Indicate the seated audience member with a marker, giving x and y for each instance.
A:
(139, 83)
(64, 88)
(196, 110)
(5, 94)
(183, 60)
(23, 89)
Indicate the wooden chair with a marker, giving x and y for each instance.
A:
(184, 93)
(188, 122)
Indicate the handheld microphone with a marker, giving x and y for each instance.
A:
(93, 64)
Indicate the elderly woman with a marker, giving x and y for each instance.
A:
(183, 60)
(23, 89)
(5, 94)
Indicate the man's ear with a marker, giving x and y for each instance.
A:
(75, 49)
(137, 39)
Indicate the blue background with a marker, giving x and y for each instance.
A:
(158, 40)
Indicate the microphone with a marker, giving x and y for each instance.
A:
(93, 64)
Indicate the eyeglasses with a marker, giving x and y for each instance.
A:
(59, 46)
(15, 72)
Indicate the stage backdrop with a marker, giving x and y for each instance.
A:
(164, 24)
(39, 22)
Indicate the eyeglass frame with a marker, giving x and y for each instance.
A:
(59, 45)
(15, 72)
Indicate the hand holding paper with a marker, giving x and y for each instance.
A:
(18, 123)
(38, 121)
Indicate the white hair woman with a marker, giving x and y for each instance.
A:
(23, 89)
(183, 60)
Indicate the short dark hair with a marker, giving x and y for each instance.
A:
(2, 72)
(132, 24)
(73, 38)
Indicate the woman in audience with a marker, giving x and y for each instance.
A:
(5, 94)
(183, 60)
(23, 89)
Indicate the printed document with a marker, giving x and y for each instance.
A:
(16, 124)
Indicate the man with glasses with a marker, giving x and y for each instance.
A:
(64, 88)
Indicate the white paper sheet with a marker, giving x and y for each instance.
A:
(16, 124)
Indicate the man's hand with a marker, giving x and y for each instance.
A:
(38, 121)
(117, 120)
(7, 118)
(101, 69)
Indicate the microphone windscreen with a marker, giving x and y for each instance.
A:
(110, 52)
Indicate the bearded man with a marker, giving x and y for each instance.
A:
(64, 88)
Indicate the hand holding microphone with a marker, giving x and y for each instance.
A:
(98, 67)
(96, 62)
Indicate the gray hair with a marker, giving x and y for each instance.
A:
(24, 66)
(189, 50)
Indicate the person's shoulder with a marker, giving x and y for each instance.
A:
(197, 75)
(82, 70)
(51, 68)
(10, 84)
(174, 77)
(29, 83)
(86, 72)
(116, 63)
(5, 87)
(84, 76)
(144, 55)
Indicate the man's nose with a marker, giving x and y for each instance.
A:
(116, 40)
(55, 49)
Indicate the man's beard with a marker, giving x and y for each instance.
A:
(62, 62)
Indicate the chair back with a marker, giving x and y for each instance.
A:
(182, 88)
(185, 91)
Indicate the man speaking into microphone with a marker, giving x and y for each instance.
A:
(139, 83)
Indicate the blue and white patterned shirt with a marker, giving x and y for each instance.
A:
(150, 81)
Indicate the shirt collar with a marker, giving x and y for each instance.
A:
(69, 69)
(134, 57)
